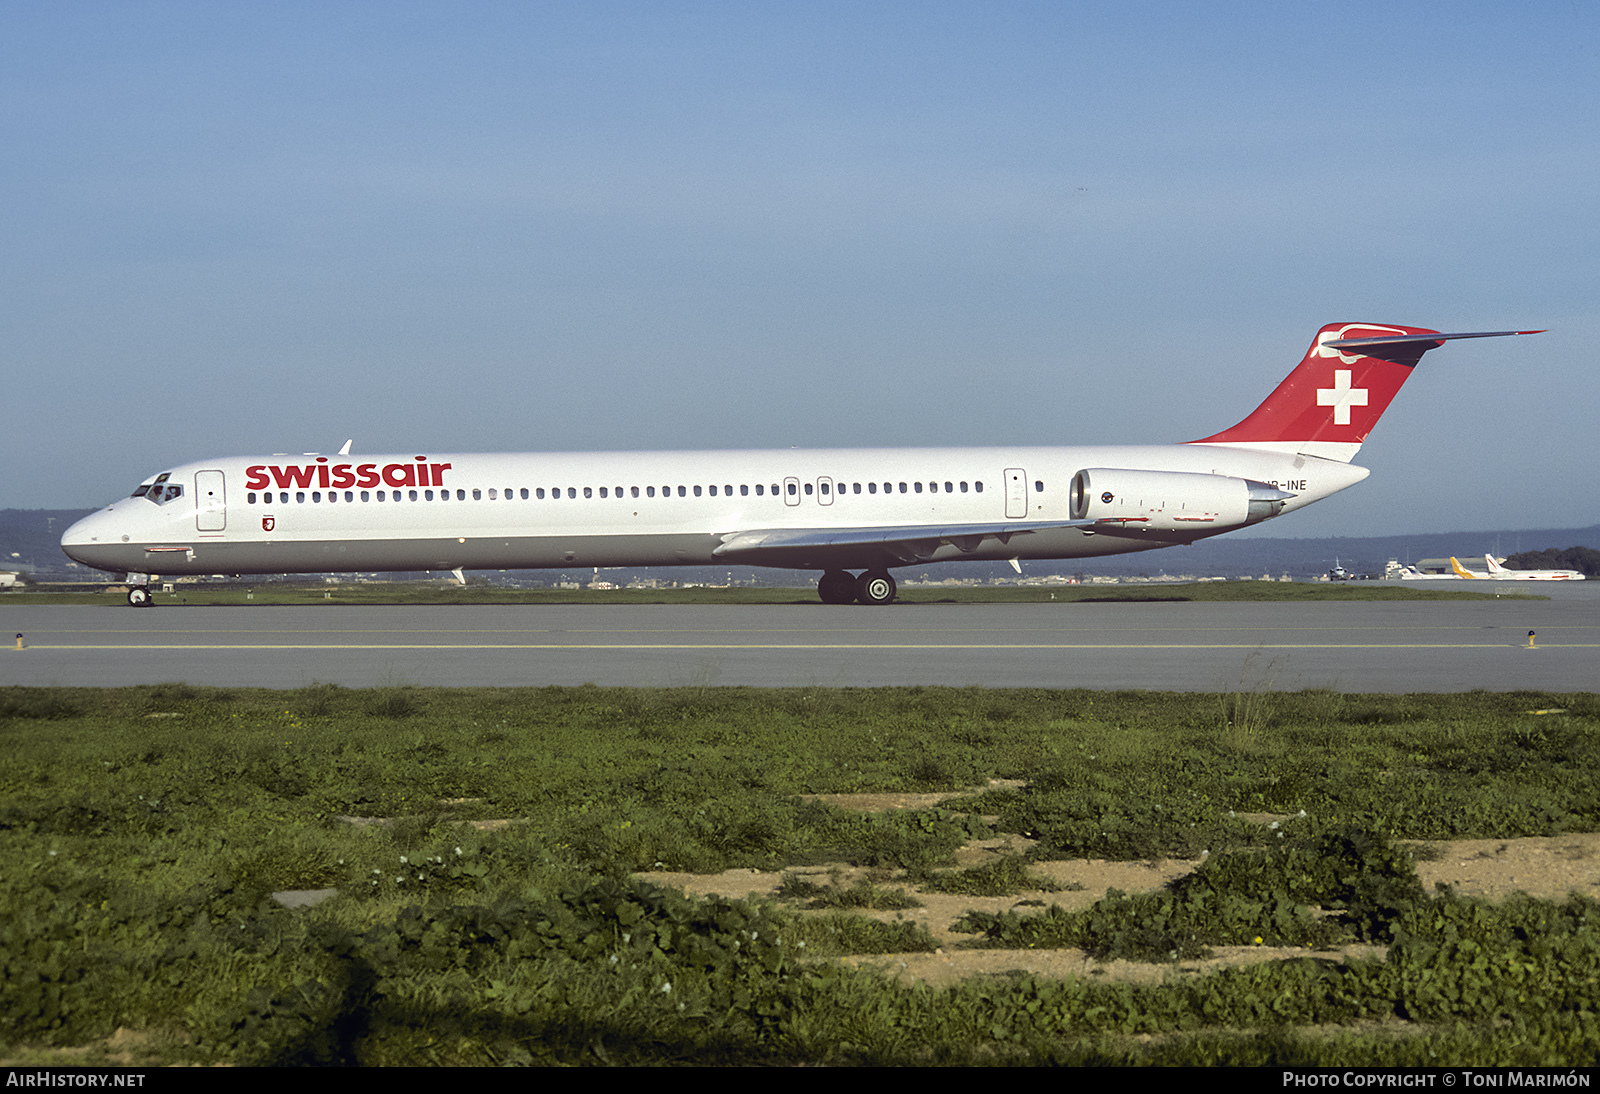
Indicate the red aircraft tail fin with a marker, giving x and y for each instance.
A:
(1333, 398)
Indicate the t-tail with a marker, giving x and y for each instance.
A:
(1330, 402)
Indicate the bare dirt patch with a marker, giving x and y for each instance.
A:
(1541, 866)
(1547, 867)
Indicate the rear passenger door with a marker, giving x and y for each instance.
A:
(1016, 492)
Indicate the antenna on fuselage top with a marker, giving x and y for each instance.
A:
(345, 451)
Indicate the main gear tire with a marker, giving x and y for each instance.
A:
(875, 587)
(836, 587)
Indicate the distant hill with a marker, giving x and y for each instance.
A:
(1585, 560)
(30, 540)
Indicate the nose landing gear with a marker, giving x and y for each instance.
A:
(138, 590)
(872, 587)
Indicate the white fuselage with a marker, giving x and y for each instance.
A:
(313, 513)
(1497, 572)
(1536, 575)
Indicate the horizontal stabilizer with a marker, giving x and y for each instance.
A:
(1349, 343)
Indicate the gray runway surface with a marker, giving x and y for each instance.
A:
(1373, 646)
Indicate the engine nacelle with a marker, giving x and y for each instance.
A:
(1172, 501)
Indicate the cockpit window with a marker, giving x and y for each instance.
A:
(159, 490)
(161, 493)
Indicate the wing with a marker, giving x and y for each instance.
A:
(841, 548)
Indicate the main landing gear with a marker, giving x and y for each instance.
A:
(840, 587)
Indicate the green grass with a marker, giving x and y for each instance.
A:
(144, 828)
(237, 594)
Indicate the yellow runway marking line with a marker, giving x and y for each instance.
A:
(772, 630)
(835, 646)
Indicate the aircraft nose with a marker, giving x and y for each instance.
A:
(88, 540)
(79, 534)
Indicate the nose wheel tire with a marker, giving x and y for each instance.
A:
(139, 596)
(875, 587)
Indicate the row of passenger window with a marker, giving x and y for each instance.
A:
(823, 487)
(300, 496)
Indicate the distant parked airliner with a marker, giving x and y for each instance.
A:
(1497, 572)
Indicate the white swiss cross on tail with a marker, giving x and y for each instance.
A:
(1341, 396)
(1295, 418)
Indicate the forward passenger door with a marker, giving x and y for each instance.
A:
(210, 502)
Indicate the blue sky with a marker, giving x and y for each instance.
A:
(233, 228)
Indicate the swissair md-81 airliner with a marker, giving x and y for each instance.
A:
(853, 514)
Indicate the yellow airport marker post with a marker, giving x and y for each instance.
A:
(1530, 645)
(19, 640)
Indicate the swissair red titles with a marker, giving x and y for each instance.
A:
(341, 475)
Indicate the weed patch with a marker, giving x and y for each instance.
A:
(1315, 891)
(862, 894)
(1004, 877)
